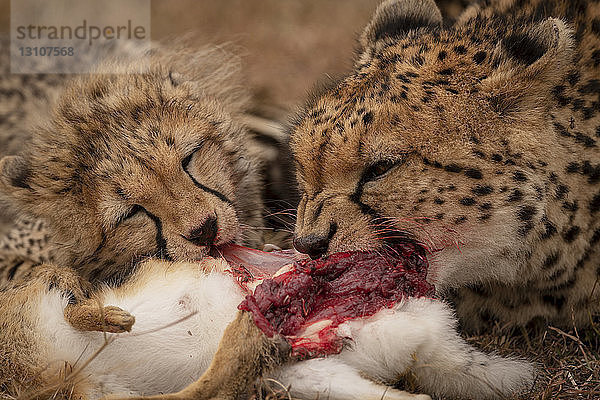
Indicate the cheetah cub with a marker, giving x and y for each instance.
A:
(130, 164)
(182, 309)
(133, 163)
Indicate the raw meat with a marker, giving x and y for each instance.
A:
(308, 302)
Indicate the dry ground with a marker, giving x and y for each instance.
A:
(569, 362)
(290, 45)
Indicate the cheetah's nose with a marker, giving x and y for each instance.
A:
(313, 245)
(205, 234)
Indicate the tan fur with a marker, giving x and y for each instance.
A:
(22, 371)
(117, 139)
(116, 142)
(244, 352)
(244, 355)
(479, 141)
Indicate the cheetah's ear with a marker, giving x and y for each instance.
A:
(395, 18)
(528, 65)
(14, 176)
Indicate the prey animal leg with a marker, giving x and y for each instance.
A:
(92, 316)
(330, 378)
(244, 354)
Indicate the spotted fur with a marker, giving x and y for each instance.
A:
(133, 164)
(479, 140)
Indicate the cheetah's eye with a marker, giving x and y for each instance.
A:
(379, 169)
(132, 212)
(187, 160)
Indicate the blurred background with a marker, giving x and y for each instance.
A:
(287, 45)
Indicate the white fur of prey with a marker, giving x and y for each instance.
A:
(182, 311)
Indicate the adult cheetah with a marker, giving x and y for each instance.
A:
(479, 140)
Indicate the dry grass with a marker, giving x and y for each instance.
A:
(569, 360)
(569, 365)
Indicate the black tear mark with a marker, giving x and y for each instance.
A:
(356, 197)
(318, 211)
(214, 192)
(333, 228)
(161, 242)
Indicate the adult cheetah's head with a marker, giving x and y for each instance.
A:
(428, 139)
(141, 164)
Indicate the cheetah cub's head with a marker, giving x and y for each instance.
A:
(142, 164)
(434, 137)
